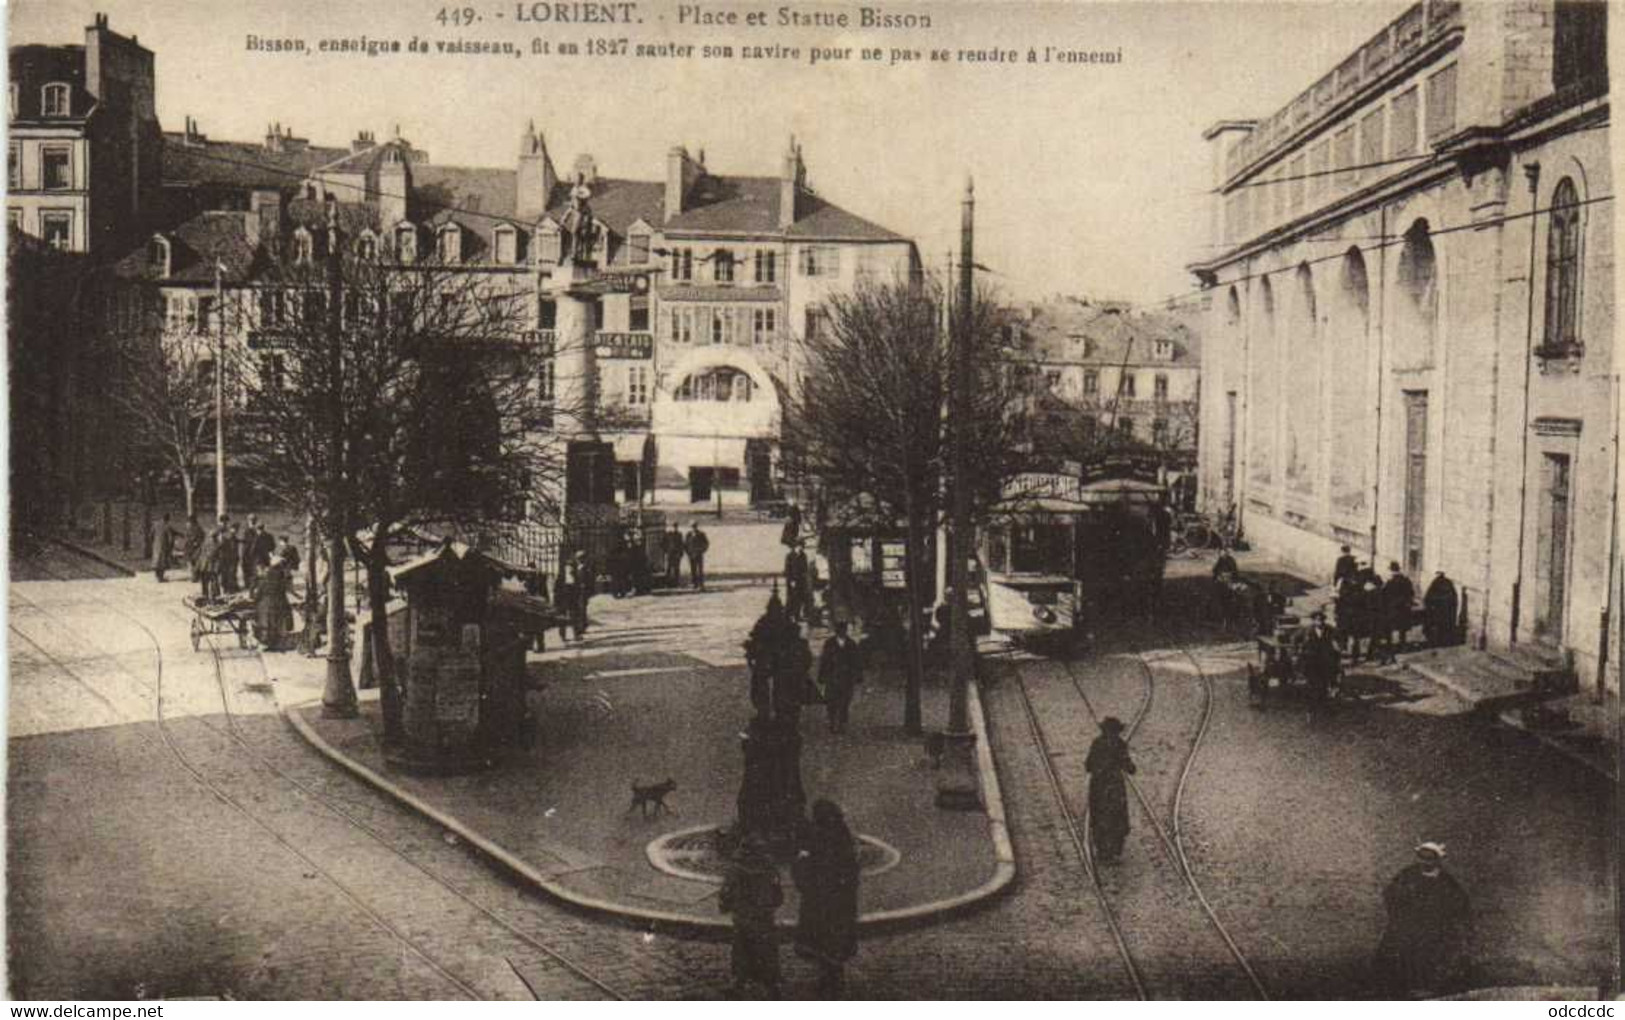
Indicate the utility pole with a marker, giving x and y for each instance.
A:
(957, 788)
(219, 393)
(338, 695)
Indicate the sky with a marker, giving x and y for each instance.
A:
(1090, 179)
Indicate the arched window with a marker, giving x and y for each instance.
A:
(1563, 269)
(406, 242)
(366, 247)
(302, 246)
(54, 100)
(158, 255)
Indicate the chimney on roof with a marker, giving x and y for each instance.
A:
(363, 141)
(792, 182)
(585, 168)
(192, 136)
(536, 179)
(394, 183)
(681, 173)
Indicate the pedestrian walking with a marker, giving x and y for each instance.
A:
(751, 893)
(696, 545)
(1318, 658)
(840, 671)
(1108, 766)
(584, 580)
(1346, 567)
(163, 550)
(671, 545)
(797, 583)
(264, 548)
(1397, 607)
(1424, 946)
(826, 876)
(1348, 594)
(1439, 608)
(193, 547)
(564, 596)
(246, 559)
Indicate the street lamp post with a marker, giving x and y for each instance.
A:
(958, 787)
(220, 393)
(338, 694)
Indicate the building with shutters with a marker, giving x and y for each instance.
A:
(708, 281)
(1410, 349)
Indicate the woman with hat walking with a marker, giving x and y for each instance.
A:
(1109, 766)
(1424, 946)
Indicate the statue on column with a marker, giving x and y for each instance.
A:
(580, 223)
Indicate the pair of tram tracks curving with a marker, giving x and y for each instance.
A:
(234, 734)
(1170, 836)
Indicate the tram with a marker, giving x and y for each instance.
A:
(1061, 544)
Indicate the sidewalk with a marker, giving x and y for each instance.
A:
(1500, 687)
(658, 690)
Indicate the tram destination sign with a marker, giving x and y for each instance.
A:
(1040, 485)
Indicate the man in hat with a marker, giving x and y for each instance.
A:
(696, 545)
(1397, 606)
(1317, 656)
(1424, 946)
(1440, 606)
(840, 671)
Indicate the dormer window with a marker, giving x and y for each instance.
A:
(54, 100)
(158, 255)
(303, 246)
(406, 242)
(549, 248)
(722, 266)
(366, 248)
(507, 245)
(638, 243)
(1163, 350)
(449, 243)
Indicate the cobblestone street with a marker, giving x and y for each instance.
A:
(195, 846)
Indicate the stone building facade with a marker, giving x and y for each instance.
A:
(84, 143)
(703, 283)
(1134, 370)
(1410, 349)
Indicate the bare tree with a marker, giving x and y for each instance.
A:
(437, 403)
(869, 428)
(166, 398)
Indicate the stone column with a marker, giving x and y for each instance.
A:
(574, 357)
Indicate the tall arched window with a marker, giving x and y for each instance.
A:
(1563, 269)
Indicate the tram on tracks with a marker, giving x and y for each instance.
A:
(1063, 548)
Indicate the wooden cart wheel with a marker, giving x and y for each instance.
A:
(197, 632)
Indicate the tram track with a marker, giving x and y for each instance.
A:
(193, 765)
(1166, 931)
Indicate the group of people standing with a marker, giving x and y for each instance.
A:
(1375, 616)
(233, 559)
(674, 545)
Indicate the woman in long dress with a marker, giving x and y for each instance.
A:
(1109, 766)
(271, 610)
(826, 876)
